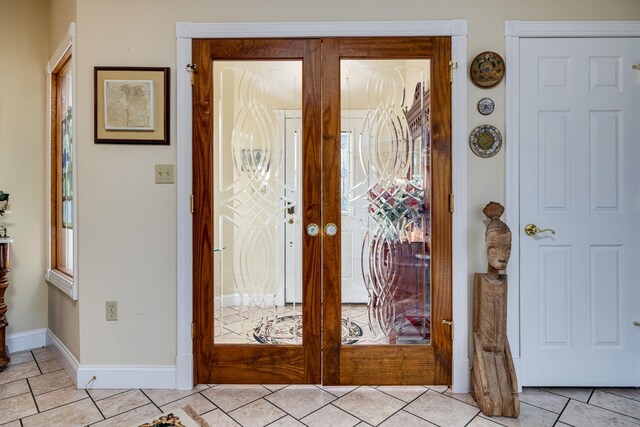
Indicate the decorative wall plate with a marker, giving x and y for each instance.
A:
(487, 69)
(486, 106)
(485, 141)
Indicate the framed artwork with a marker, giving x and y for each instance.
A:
(131, 105)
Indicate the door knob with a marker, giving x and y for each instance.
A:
(313, 230)
(532, 230)
(636, 323)
(331, 229)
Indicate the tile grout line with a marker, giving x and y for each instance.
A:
(548, 390)
(242, 406)
(286, 414)
(591, 395)
(545, 409)
(33, 396)
(96, 405)
(562, 412)
(104, 398)
(615, 412)
(604, 390)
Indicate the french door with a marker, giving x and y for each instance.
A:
(322, 231)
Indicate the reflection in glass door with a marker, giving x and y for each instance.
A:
(385, 194)
(257, 193)
(252, 185)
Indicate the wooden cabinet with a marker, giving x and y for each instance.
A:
(5, 244)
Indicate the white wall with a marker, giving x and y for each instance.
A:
(24, 51)
(128, 224)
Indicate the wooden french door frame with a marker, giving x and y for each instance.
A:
(231, 363)
(388, 364)
(398, 364)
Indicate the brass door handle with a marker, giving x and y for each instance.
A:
(532, 230)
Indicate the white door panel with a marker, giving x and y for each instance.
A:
(353, 227)
(579, 157)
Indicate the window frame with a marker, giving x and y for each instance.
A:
(63, 61)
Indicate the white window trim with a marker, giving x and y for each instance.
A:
(62, 282)
(457, 29)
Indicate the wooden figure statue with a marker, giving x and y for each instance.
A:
(493, 378)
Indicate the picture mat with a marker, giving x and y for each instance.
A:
(158, 119)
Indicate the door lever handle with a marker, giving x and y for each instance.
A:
(532, 230)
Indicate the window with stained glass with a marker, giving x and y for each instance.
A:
(62, 170)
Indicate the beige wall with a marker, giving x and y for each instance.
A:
(24, 51)
(63, 12)
(128, 224)
(64, 313)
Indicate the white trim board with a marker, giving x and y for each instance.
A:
(68, 361)
(126, 376)
(67, 286)
(514, 32)
(111, 376)
(21, 341)
(457, 29)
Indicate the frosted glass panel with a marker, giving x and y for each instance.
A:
(257, 200)
(386, 201)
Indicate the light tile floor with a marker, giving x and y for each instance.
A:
(35, 391)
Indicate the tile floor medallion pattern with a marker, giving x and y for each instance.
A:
(36, 391)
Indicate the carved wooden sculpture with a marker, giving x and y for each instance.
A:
(493, 378)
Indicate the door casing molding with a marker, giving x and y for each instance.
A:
(187, 31)
(514, 32)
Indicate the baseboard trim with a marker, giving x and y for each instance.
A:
(63, 355)
(110, 376)
(126, 376)
(28, 340)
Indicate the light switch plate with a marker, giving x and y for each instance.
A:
(165, 174)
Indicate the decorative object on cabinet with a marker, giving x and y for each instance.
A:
(5, 244)
(4, 203)
(487, 69)
(486, 106)
(494, 385)
(131, 105)
(485, 141)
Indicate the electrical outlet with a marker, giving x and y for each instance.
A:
(112, 310)
(165, 174)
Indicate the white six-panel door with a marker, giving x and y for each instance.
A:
(579, 163)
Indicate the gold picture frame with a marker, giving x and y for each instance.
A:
(131, 105)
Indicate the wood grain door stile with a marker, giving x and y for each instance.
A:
(388, 364)
(230, 363)
(321, 108)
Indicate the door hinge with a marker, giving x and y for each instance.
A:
(451, 203)
(453, 65)
(193, 330)
(191, 69)
(191, 204)
(450, 323)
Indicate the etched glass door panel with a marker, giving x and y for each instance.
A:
(385, 201)
(256, 202)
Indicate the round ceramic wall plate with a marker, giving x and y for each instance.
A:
(486, 106)
(487, 69)
(485, 141)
